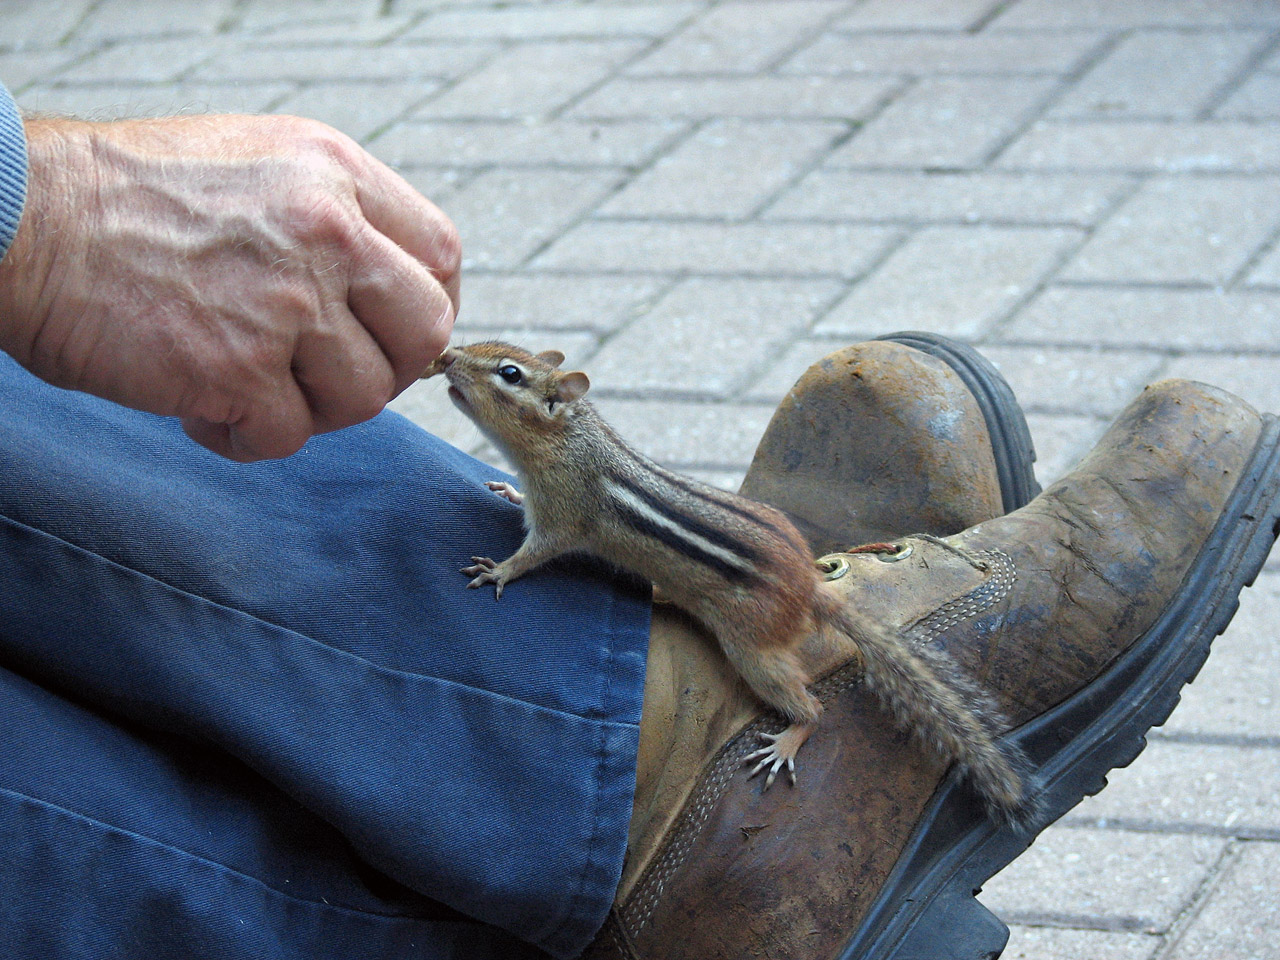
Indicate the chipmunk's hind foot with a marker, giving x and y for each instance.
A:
(780, 751)
(486, 571)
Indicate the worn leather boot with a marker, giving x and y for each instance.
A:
(912, 432)
(1082, 614)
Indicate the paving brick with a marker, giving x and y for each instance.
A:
(1258, 98)
(836, 98)
(967, 197)
(532, 79)
(1160, 319)
(1146, 146)
(550, 302)
(112, 101)
(945, 122)
(350, 64)
(506, 143)
(1185, 230)
(1240, 919)
(1136, 13)
(951, 280)
(505, 215)
(749, 322)
(1185, 786)
(1075, 380)
(1111, 879)
(33, 25)
(915, 54)
(540, 21)
(151, 61)
(1267, 272)
(750, 248)
(114, 19)
(1057, 943)
(772, 384)
(357, 109)
(1061, 440)
(20, 69)
(1235, 692)
(256, 14)
(689, 435)
(1161, 73)
(926, 14)
(727, 169)
(1250, 377)
(738, 37)
(327, 33)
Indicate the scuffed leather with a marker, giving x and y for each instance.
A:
(923, 450)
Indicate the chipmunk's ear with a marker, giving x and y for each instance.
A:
(572, 386)
(552, 358)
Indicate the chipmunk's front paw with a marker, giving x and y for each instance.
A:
(781, 751)
(506, 491)
(486, 571)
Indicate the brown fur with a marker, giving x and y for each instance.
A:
(738, 566)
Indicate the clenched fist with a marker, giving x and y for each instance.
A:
(262, 278)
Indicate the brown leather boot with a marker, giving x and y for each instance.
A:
(877, 439)
(1083, 614)
(911, 432)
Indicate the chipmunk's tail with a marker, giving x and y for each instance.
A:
(930, 696)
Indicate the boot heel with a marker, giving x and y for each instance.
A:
(956, 927)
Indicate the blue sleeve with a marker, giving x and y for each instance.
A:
(13, 169)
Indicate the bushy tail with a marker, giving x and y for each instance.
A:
(929, 695)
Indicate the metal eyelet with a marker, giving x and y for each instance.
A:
(832, 568)
(901, 552)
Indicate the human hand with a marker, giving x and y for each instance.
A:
(262, 278)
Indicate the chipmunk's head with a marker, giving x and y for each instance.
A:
(512, 395)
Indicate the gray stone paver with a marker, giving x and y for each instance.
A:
(1201, 230)
(695, 199)
(1241, 916)
(1161, 73)
(949, 197)
(945, 122)
(738, 37)
(953, 280)
(755, 158)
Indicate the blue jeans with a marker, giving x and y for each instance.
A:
(252, 711)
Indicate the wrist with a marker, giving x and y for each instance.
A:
(56, 172)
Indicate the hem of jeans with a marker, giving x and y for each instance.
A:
(615, 775)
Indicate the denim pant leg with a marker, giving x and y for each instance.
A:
(274, 673)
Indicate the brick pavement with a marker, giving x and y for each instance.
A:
(698, 198)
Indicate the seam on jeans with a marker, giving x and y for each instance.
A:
(214, 864)
(336, 651)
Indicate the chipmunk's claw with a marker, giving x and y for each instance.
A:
(506, 491)
(773, 758)
(485, 571)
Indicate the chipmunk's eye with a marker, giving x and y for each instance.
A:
(510, 373)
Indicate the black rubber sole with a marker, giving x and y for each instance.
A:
(927, 910)
(1010, 438)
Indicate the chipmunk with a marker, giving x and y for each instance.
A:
(738, 566)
